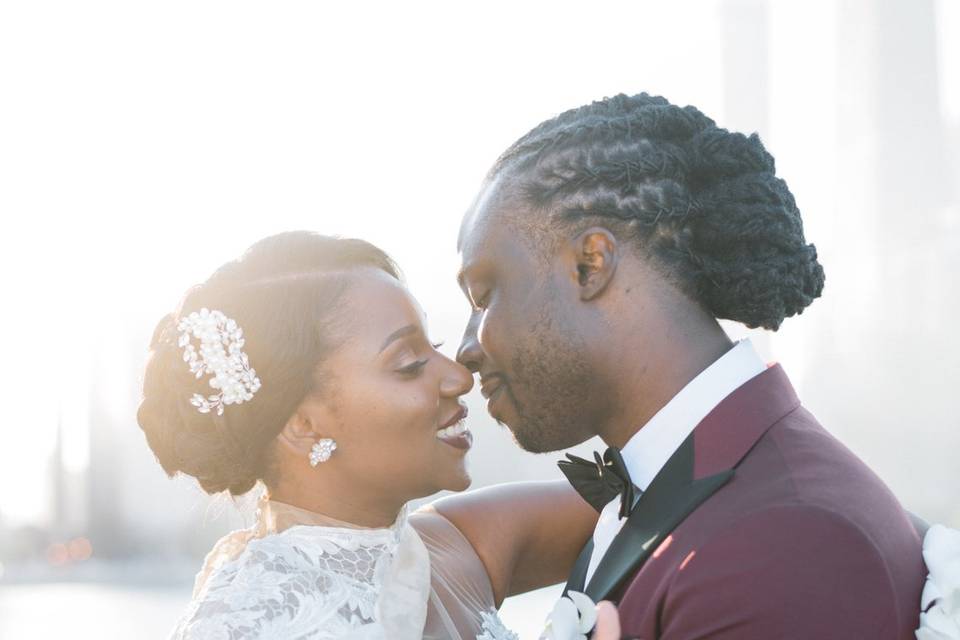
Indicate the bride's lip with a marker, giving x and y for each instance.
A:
(455, 432)
(462, 441)
(461, 414)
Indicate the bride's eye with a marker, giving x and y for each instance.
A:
(413, 368)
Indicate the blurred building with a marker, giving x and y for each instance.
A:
(847, 97)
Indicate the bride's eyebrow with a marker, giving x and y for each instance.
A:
(399, 333)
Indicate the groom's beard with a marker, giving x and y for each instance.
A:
(549, 389)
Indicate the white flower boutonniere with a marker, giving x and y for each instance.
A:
(572, 618)
(940, 603)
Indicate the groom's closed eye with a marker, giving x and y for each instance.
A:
(477, 300)
(480, 302)
(477, 297)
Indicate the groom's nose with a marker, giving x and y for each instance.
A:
(470, 354)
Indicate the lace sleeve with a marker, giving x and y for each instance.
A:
(297, 584)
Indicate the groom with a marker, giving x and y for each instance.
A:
(600, 253)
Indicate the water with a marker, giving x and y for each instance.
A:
(89, 611)
(84, 611)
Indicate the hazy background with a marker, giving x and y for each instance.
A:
(143, 144)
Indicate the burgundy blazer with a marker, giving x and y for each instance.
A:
(762, 525)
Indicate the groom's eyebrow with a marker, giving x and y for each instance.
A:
(462, 277)
(399, 333)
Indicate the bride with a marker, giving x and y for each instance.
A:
(305, 365)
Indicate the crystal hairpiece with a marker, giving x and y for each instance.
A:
(220, 355)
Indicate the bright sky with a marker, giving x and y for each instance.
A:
(146, 143)
(143, 144)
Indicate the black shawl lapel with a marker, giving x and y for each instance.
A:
(670, 498)
(578, 575)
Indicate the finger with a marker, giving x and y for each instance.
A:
(608, 622)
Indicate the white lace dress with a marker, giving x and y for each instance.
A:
(297, 575)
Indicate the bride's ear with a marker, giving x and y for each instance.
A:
(304, 428)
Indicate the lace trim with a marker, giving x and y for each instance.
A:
(305, 582)
(492, 627)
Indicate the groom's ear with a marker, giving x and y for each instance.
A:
(597, 254)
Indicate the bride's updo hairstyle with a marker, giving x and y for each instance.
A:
(286, 293)
(703, 203)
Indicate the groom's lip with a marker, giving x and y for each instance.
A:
(490, 384)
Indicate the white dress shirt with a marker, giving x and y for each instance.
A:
(650, 447)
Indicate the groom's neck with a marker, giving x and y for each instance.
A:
(653, 368)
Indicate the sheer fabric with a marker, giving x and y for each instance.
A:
(298, 574)
(461, 597)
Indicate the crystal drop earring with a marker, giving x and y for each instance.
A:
(322, 450)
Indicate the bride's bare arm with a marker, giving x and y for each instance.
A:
(527, 534)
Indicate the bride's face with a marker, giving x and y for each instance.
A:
(391, 400)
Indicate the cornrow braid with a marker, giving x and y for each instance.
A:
(703, 202)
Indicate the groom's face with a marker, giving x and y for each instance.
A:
(522, 337)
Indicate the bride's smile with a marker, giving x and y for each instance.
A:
(455, 432)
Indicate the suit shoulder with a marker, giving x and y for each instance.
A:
(798, 547)
(803, 521)
(798, 565)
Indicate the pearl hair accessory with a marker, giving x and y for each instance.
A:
(322, 450)
(221, 356)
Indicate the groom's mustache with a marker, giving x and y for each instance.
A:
(490, 383)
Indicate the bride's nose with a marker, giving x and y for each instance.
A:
(456, 381)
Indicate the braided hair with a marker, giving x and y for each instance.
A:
(702, 202)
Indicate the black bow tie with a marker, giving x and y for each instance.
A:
(601, 481)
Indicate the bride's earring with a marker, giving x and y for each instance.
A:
(322, 450)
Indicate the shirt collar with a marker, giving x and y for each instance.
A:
(650, 447)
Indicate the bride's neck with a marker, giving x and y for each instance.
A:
(346, 506)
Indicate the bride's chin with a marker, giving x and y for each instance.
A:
(461, 482)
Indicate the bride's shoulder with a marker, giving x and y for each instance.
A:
(427, 519)
(442, 537)
(226, 549)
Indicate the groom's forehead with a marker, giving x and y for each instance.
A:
(492, 222)
(476, 219)
(488, 236)
(495, 251)
(475, 232)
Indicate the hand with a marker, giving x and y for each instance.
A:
(608, 622)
